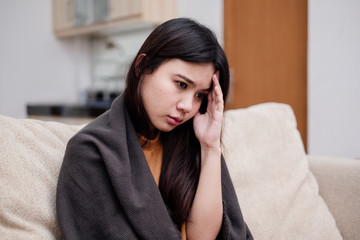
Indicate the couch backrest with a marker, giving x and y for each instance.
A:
(31, 153)
(277, 192)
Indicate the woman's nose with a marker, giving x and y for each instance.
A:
(185, 104)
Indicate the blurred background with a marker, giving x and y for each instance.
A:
(67, 59)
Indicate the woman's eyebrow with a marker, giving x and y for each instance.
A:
(188, 80)
(185, 78)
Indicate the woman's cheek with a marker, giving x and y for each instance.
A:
(196, 109)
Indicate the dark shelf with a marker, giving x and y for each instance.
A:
(90, 110)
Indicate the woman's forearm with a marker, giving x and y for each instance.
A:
(206, 214)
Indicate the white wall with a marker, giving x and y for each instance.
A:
(35, 67)
(110, 64)
(207, 12)
(334, 78)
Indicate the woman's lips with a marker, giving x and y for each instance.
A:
(174, 120)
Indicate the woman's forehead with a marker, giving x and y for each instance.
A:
(196, 73)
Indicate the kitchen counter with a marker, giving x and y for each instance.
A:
(67, 113)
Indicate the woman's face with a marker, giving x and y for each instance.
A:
(173, 93)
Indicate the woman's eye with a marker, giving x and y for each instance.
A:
(182, 84)
(200, 96)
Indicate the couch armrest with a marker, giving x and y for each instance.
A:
(339, 185)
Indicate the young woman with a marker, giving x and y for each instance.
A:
(151, 167)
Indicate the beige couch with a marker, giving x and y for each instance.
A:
(283, 193)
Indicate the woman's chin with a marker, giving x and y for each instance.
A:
(166, 127)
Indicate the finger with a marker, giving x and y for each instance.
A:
(215, 79)
(216, 84)
(219, 99)
(218, 95)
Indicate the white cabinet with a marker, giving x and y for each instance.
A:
(79, 17)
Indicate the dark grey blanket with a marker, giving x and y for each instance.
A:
(106, 189)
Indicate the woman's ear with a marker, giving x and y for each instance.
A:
(138, 61)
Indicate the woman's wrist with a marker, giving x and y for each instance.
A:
(213, 147)
(211, 153)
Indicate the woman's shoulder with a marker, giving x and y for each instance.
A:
(93, 136)
(108, 133)
(111, 124)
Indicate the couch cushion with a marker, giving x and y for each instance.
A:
(277, 192)
(31, 153)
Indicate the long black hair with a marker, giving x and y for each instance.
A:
(184, 39)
